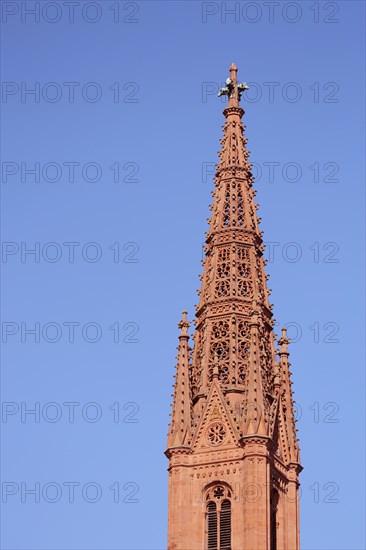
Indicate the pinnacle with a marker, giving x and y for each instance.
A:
(184, 324)
(284, 341)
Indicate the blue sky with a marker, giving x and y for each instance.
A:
(121, 132)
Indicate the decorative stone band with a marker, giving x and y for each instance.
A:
(233, 111)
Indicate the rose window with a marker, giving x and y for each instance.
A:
(216, 434)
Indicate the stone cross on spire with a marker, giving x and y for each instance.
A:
(233, 90)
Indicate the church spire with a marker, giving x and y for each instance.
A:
(233, 280)
(233, 422)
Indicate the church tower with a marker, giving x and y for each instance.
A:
(232, 446)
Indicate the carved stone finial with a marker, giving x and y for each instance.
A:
(283, 342)
(184, 324)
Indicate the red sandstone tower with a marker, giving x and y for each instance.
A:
(232, 446)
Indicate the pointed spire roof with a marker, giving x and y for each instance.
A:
(286, 399)
(233, 341)
(234, 315)
(181, 413)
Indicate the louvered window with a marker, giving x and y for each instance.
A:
(218, 519)
(211, 526)
(225, 525)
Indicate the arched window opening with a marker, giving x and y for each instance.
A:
(218, 518)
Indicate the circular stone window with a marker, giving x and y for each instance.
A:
(216, 433)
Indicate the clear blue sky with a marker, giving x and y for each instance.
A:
(136, 90)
